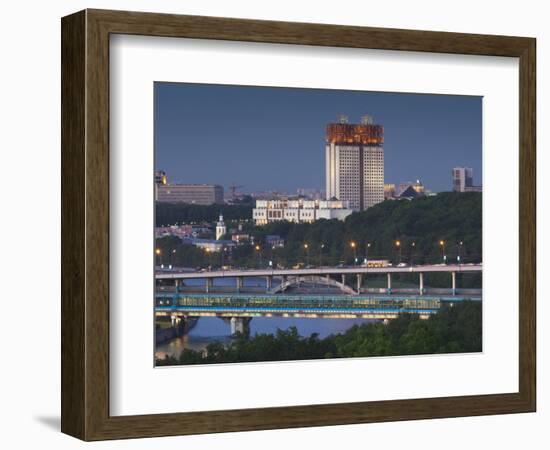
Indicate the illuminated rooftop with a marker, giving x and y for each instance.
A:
(364, 133)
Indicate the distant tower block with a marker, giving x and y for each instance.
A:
(355, 162)
(342, 118)
(220, 228)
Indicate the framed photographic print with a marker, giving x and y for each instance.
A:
(287, 224)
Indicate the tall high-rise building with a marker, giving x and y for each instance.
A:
(463, 178)
(355, 162)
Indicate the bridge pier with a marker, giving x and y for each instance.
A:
(175, 320)
(389, 282)
(268, 282)
(175, 300)
(240, 325)
(284, 279)
(239, 283)
(421, 281)
(359, 282)
(208, 287)
(180, 326)
(453, 278)
(343, 278)
(181, 323)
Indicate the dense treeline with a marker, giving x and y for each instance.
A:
(172, 213)
(455, 329)
(419, 225)
(449, 217)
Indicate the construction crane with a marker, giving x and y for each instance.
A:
(233, 189)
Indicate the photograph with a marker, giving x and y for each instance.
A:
(306, 224)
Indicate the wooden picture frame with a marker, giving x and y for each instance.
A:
(85, 224)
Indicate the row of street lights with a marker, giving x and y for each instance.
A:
(398, 247)
(158, 253)
(353, 245)
(442, 245)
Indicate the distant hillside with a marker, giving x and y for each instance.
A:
(449, 217)
(171, 213)
(424, 222)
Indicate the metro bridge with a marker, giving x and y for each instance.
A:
(239, 309)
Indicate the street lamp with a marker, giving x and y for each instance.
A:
(272, 255)
(398, 247)
(259, 250)
(354, 247)
(306, 247)
(223, 250)
(459, 256)
(367, 252)
(413, 246)
(321, 247)
(442, 245)
(159, 254)
(172, 253)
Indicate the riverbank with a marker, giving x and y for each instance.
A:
(211, 329)
(456, 329)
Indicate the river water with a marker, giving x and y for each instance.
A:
(210, 329)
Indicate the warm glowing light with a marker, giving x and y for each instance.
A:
(157, 251)
(344, 133)
(305, 246)
(258, 247)
(442, 243)
(352, 244)
(397, 243)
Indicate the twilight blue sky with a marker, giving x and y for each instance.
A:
(273, 138)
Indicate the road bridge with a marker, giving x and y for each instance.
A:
(292, 277)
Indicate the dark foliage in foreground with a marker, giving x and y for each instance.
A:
(455, 329)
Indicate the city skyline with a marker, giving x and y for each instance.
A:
(273, 139)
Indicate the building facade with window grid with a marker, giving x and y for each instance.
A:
(355, 163)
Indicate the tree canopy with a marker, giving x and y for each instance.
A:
(426, 228)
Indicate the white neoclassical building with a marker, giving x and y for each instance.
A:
(299, 210)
